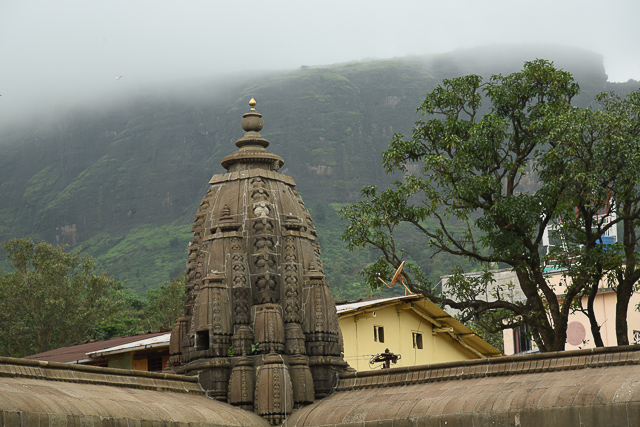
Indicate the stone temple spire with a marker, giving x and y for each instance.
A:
(252, 151)
(260, 327)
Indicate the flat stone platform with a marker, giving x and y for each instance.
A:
(594, 387)
(36, 393)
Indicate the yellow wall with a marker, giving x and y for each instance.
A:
(399, 325)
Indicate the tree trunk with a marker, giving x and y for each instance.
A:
(627, 277)
(593, 322)
(622, 306)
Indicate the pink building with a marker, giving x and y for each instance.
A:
(578, 330)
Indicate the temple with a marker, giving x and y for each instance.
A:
(260, 337)
(260, 327)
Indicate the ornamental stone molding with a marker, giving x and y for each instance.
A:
(260, 327)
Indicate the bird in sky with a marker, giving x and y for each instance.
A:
(118, 77)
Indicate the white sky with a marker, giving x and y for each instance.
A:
(55, 52)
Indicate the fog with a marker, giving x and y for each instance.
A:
(55, 54)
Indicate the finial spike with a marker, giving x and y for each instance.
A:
(252, 103)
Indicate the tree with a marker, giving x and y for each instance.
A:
(478, 171)
(50, 299)
(598, 161)
(165, 304)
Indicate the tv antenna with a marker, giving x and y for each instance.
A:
(397, 276)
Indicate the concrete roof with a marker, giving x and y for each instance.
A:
(36, 393)
(429, 311)
(81, 352)
(593, 387)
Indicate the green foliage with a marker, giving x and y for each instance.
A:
(50, 298)
(470, 198)
(165, 304)
(255, 348)
(597, 162)
(110, 173)
(156, 311)
(147, 254)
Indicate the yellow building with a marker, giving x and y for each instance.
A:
(411, 326)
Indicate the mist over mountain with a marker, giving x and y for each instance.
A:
(122, 176)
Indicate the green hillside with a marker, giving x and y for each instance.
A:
(123, 179)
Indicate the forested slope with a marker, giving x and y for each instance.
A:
(123, 179)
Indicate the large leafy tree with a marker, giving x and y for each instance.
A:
(598, 162)
(165, 304)
(476, 187)
(50, 298)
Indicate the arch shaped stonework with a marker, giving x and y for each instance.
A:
(36, 393)
(594, 387)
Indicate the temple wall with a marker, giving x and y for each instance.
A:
(593, 387)
(35, 393)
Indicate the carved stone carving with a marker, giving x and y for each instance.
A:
(213, 326)
(242, 384)
(291, 283)
(274, 394)
(301, 380)
(260, 328)
(269, 328)
(321, 321)
(242, 341)
(294, 339)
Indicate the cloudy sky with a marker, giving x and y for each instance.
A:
(54, 52)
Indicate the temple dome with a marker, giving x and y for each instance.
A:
(256, 286)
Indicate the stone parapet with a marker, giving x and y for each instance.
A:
(35, 393)
(481, 368)
(53, 371)
(594, 387)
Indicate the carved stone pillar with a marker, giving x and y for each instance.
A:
(301, 380)
(213, 327)
(274, 394)
(294, 339)
(321, 320)
(242, 384)
(269, 329)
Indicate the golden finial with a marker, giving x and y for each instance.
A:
(253, 104)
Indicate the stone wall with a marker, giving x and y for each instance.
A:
(594, 387)
(35, 393)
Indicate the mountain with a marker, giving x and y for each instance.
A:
(123, 179)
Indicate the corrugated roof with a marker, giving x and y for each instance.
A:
(80, 353)
(350, 306)
(157, 341)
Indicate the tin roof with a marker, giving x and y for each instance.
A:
(350, 306)
(430, 311)
(80, 353)
(156, 341)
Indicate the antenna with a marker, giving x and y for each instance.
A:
(397, 276)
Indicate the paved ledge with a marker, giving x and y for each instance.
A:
(54, 371)
(594, 387)
(479, 368)
(35, 393)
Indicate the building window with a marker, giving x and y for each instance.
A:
(521, 340)
(378, 334)
(417, 340)
(154, 364)
(636, 337)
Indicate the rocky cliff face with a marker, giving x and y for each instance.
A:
(124, 179)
